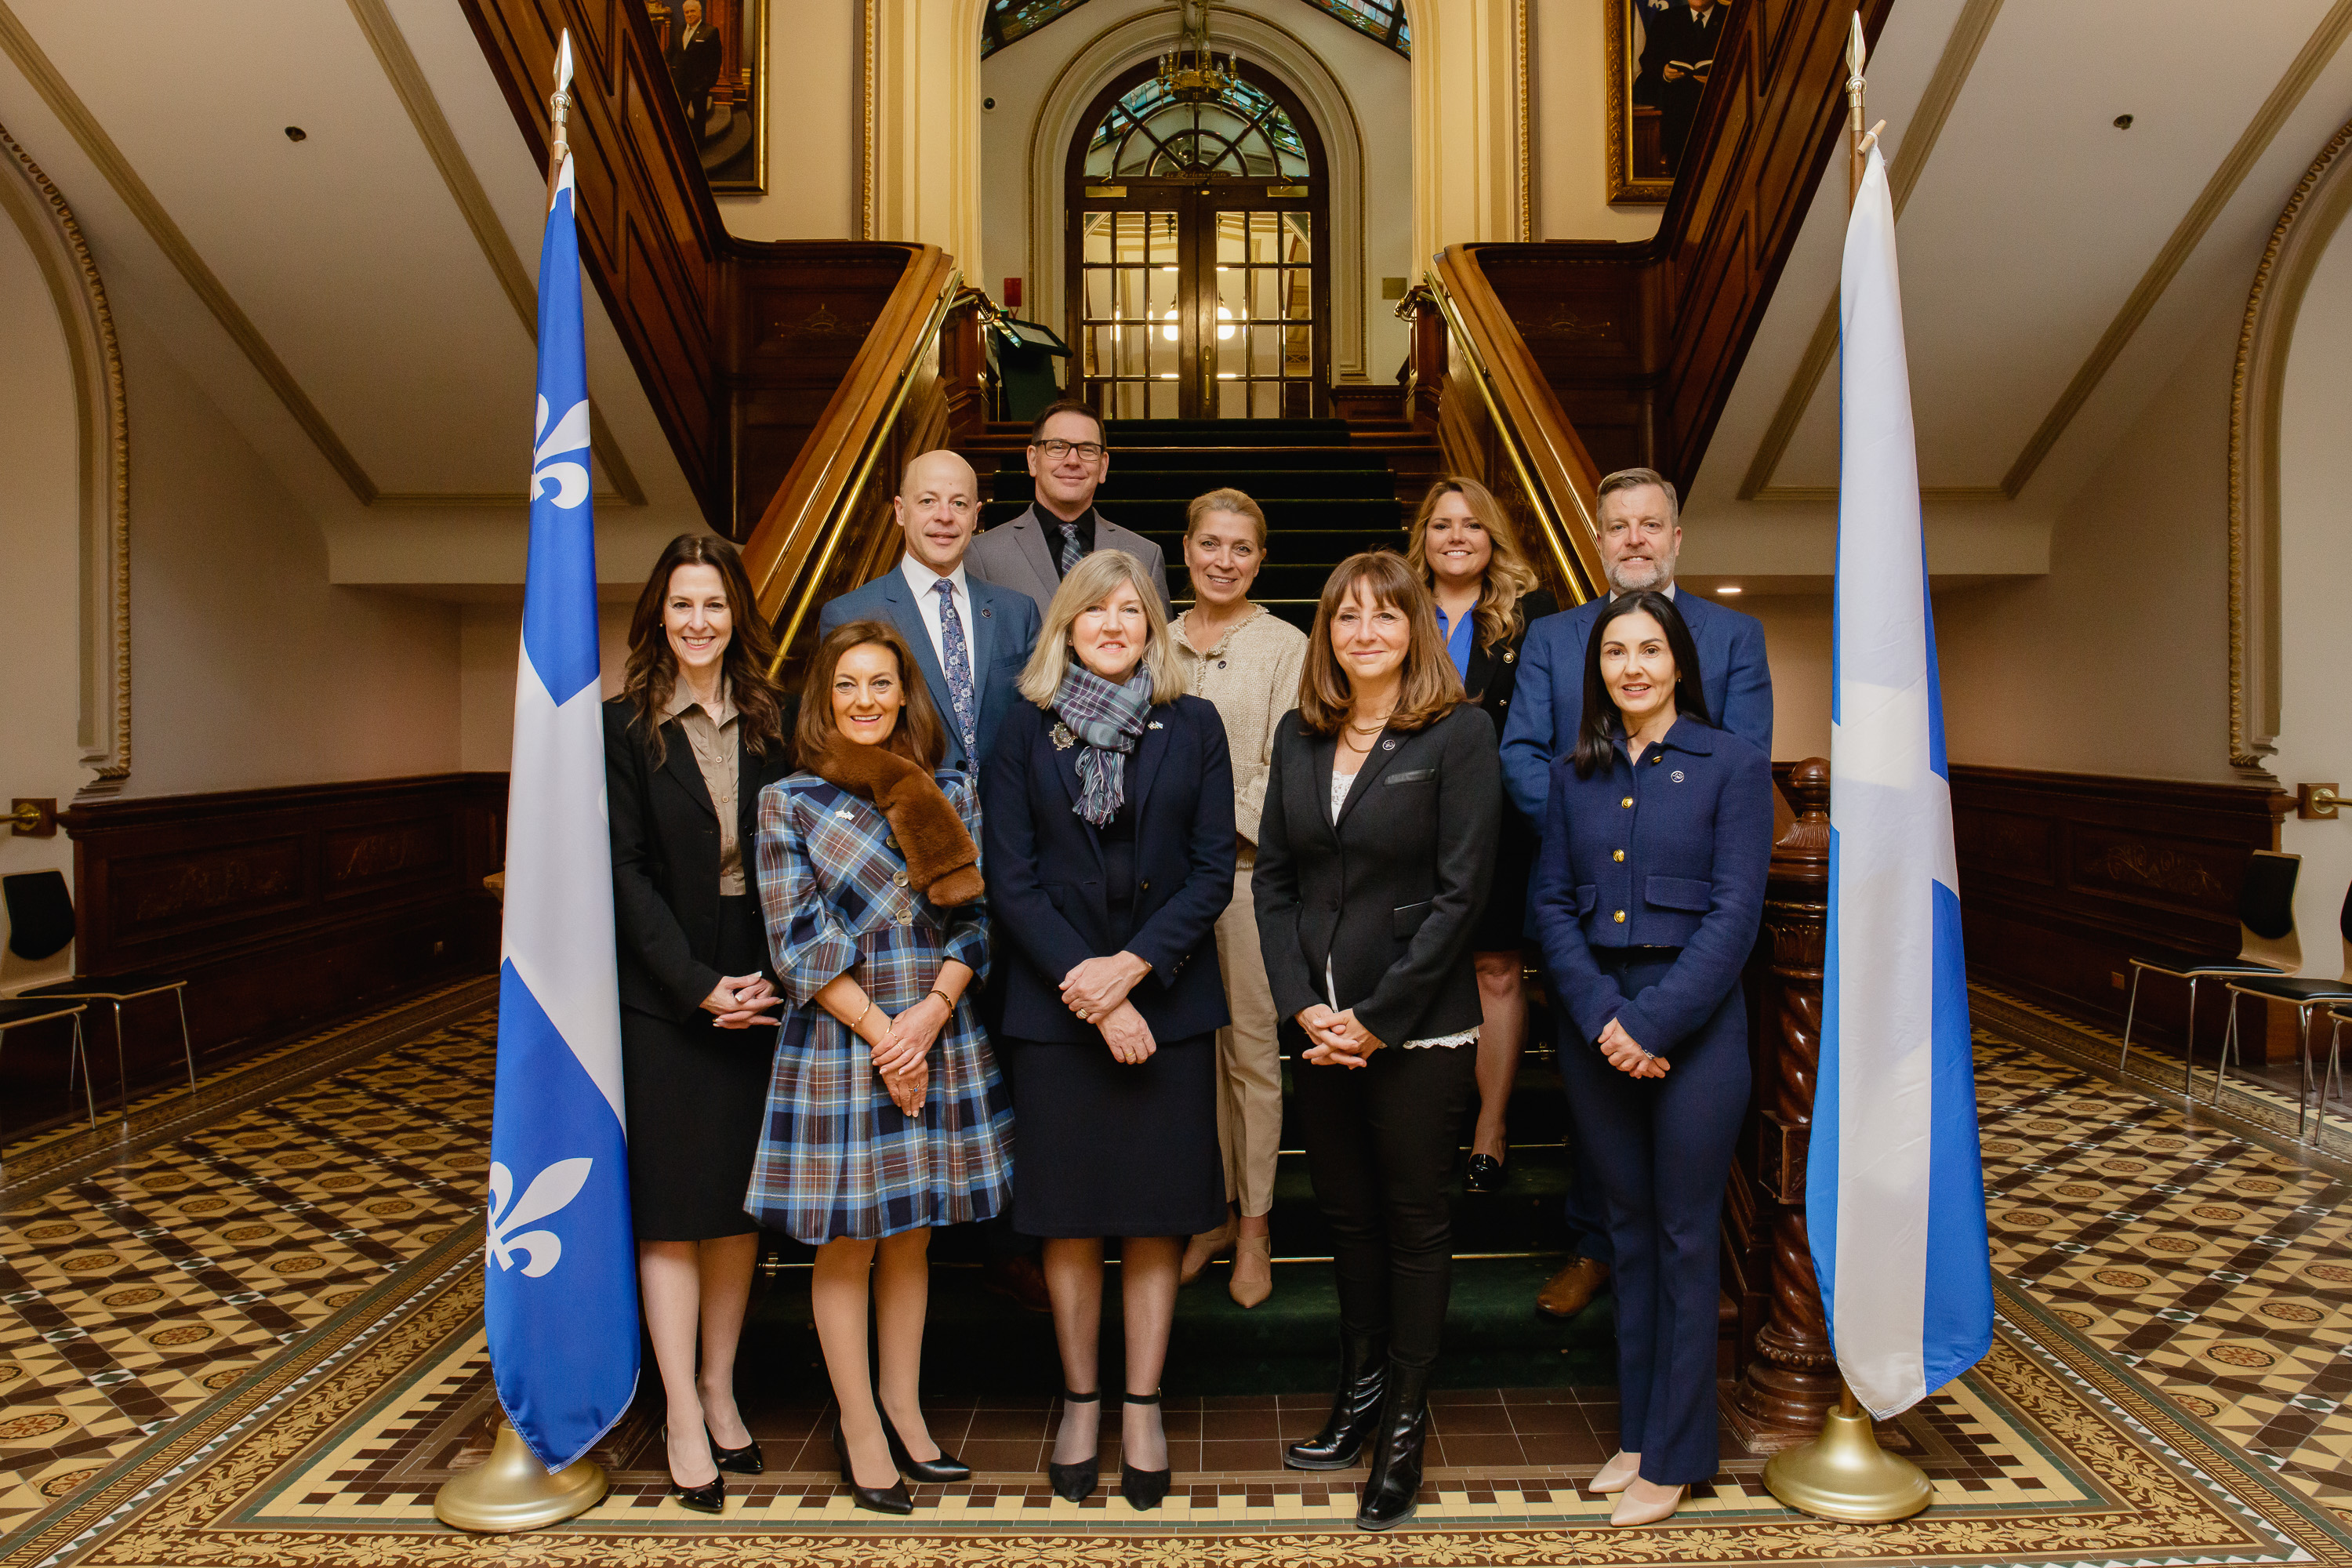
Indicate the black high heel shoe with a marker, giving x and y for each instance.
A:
(946, 1467)
(1075, 1483)
(1141, 1488)
(1484, 1175)
(744, 1461)
(892, 1498)
(708, 1498)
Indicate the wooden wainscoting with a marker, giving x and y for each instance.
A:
(2066, 876)
(280, 907)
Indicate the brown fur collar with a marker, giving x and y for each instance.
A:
(941, 859)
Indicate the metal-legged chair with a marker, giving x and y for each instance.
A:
(41, 907)
(2267, 945)
(17, 1014)
(2337, 1018)
(2308, 995)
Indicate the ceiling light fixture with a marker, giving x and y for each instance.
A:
(1200, 77)
(296, 133)
(1728, 588)
(2123, 121)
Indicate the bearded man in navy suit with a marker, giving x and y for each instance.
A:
(1640, 539)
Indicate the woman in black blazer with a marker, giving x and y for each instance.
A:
(1374, 853)
(696, 732)
(1465, 547)
(1106, 839)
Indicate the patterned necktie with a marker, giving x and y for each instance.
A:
(1071, 554)
(958, 660)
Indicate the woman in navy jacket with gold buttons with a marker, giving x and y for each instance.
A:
(1648, 899)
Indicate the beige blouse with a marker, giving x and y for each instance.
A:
(1251, 675)
(716, 740)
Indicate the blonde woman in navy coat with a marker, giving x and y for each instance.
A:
(1648, 899)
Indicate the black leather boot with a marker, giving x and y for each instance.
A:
(1388, 1491)
(1355, 1409)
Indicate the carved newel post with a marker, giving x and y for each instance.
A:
(1790, 1380)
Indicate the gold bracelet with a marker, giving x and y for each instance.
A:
(944, 997)
(861, 1017)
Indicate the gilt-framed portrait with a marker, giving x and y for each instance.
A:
(1660, 54)
(716, 54)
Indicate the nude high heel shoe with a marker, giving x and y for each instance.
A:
(1253, 1279)
(1631, 1511)
(1616, 1475)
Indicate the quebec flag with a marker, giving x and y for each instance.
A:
(561, 1301)
(1895, 1190)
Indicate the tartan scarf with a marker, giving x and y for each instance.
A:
(1109, 720)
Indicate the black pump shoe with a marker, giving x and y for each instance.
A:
(892, 1498)
(742, 1461)
(1388, 1494)
(939, 1472)
(1485, 1174)
(1075, 1483)
(1141, 1488)
(708, 1498)
(1355, 1409)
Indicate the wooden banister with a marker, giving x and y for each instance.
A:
(819, 535)
(1638, 345)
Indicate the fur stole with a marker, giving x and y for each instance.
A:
(941, 860)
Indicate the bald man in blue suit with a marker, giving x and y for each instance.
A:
(1640, 539)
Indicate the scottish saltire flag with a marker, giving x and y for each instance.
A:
(561, 1302)
(1894, 1192)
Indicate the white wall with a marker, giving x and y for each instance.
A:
(814, 51)
(1797, 646)
(39, 533)
(1567, 107)
(248, 667)
(2116, 662)
(490, 651)
(2314, 739)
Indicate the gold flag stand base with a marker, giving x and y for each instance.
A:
(1843, 1474)
(511, 1490)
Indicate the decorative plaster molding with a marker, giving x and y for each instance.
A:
(1961, 48)
(416, 94)
(1263, 43)
(2297, 242)
(102, 429)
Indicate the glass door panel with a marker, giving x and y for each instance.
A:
(1259, 343)
(1129, 327)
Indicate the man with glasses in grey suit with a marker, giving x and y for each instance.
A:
(1069, 458)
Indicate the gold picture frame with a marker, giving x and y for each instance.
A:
(731, 139)
(1637, 174)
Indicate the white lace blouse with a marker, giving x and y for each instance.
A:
(1340, 783)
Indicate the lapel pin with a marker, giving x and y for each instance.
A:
(1676, 775)
(1063, 739)
(1510, 656)
(1388, 745)
(985, 612)
(1153, 725)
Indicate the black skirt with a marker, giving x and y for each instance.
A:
(1501, 926)
(696, 1096)
(1103, 1149)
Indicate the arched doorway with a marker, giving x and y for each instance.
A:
(1196, 266)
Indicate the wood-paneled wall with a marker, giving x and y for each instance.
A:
(280, 907)
(2066, 876)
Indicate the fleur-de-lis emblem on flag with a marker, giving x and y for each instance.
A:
(548, 1193)
(570, 435)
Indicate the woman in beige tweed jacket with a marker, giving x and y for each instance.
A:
(1246, 660)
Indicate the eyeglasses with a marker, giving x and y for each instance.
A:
(1087, 451)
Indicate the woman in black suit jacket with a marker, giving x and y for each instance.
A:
(1465, 547)
(1374, 853)
(1107, 842)
(695, 735)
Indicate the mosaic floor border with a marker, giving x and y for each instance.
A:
(66, 1153)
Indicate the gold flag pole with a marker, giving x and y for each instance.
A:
(511, 1490)
(1843, 1474)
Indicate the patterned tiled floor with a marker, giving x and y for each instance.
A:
(134, 1293)
(2198, 1252)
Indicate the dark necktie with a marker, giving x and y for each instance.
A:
(1071, 554)
(953, 655)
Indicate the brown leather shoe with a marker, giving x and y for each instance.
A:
(1572, 1289)
(1020, 1279)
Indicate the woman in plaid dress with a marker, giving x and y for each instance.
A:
(887, 1113)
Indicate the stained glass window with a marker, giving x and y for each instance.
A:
(1010, 19)
(1240, 132)
(1382, 19)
